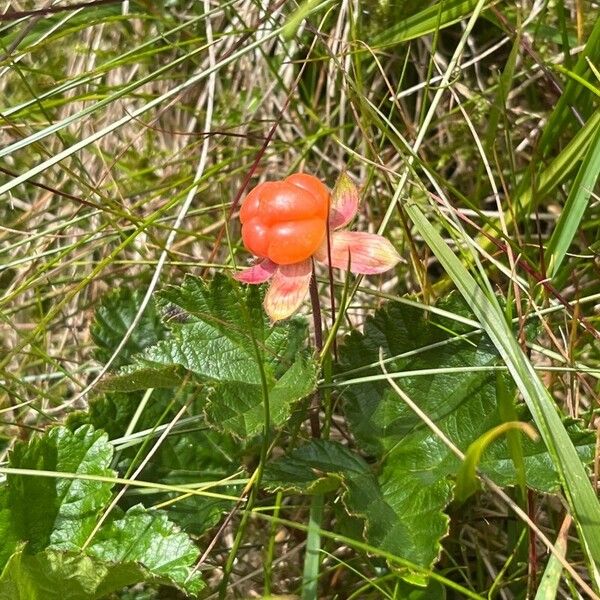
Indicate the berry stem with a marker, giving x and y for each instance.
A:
(315, 406)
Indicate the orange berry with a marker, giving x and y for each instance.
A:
(285, 221)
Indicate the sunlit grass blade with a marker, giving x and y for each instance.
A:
(466, 479)
(435, 17)
(578, 490)
(548, 588)
(574, 209)
(312, 559)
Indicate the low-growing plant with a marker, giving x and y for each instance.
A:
(299, 300)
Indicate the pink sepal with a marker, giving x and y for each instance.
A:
(344, 202)
(369, 253)
(259, 273)
(288, 289)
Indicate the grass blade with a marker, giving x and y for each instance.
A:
(576, 204)
(312, 560)
(578, 489)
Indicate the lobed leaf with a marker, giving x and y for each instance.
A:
(387, 506)
(222, 338)
(46, 522)
(190, 455)
(113, 318)
(47, 511)
(149, 539)
(414, 482)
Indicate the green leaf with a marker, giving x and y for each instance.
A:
(113, 412)
(52, 575)
(192, 454)
(432, 590)
(378, 419)
(60, 513)
(191, 458)
(133, 378)
(113, 318)
(405, 512)
(315, 468)
(8, 535)
(388, 506)
(414, 483)
(540, 471)
(222, 337)
(222, 323)
(413, 486)
(47, 520)
(235, 407)
(580, 495)
(148, 538)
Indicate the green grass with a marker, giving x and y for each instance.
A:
(473, 130)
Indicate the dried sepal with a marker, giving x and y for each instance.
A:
(288, 288)
(369, 253)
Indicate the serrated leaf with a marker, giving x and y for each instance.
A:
(414, 523)
(46, 521)
(314, 468)
(148, 538)
(113, 318)
(379, 420)
(48, 511)
(192, 455)
(579, 493)
(233, 407)
(52, 575)
(416, 464)
(539, 468)
(217, 341)
(133, 378)
(323, 466)
(223, 338)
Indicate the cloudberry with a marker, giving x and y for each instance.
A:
(285, 221)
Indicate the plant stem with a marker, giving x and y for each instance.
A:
(331, 286)
(316, 309)
(310, 576)
(315, 405)
(264, 451)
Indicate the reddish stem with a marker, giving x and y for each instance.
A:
(315, 405)
(533, 566)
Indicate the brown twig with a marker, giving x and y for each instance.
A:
(53, 190)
